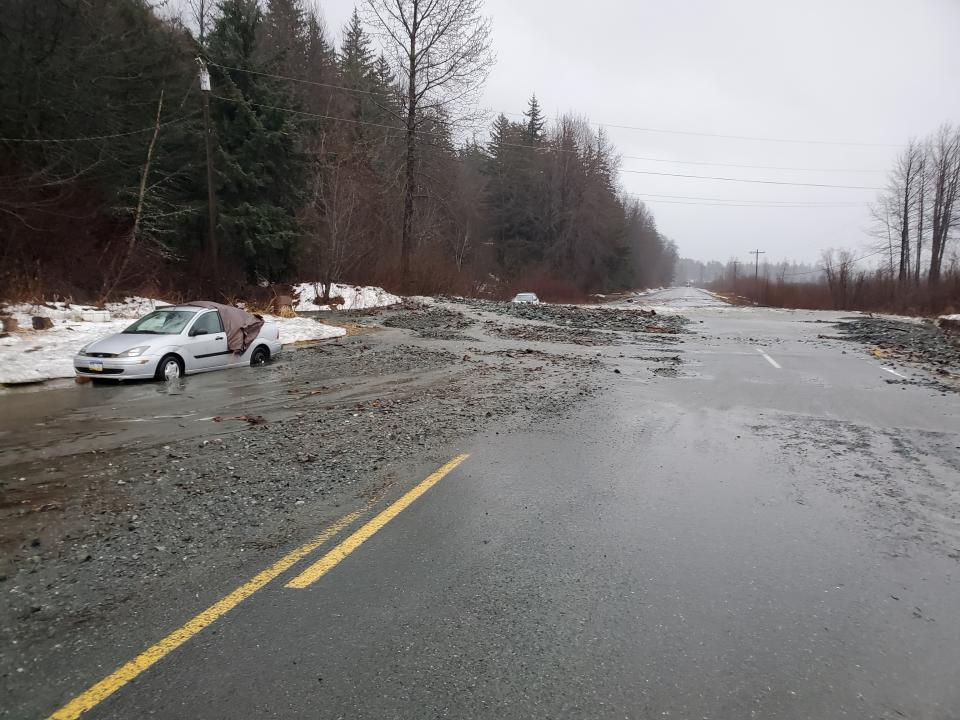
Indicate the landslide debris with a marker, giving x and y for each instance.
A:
(110, 530)
(588, 318)
(921, 343)
(552, 334)
(431, 323)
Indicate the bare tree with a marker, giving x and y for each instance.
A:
(838, 268)
(201, 18)
(441, 49)
(897, 209)
(110, 280)
(907, 176)
(945, 185)
(333, 218)
(886, 223)
(920, 202)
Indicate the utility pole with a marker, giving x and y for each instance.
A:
(756, 271)
(212, 259)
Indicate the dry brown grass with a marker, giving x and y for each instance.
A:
(869, 292)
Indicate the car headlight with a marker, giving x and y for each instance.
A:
(135, 351)
(83, 350)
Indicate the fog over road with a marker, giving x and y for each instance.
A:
(768, 529)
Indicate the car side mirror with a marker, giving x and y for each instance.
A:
(197, 331)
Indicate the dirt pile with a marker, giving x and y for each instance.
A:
(915, 342)
(547, 333)
(431, 323)
(600, 318)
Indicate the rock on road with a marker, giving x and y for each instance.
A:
(770, 530)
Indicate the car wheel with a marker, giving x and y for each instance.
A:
(260, 356)
(169, 368)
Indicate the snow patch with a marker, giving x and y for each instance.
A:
(355, 297)
(300, 329)
(131, 308)
(37, 355)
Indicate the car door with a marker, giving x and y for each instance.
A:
(207, 343)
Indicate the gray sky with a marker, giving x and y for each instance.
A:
(849, 71)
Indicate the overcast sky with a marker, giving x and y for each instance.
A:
(840, 71)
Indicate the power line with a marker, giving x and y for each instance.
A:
(89, 138)
(303, 80)
(751, 167)
(322, 117)
(855, 260)
(743, 180)
(600, 124)
(797, 141)
(528, 147)
(750, 137)
(767, 202)
(737, 205)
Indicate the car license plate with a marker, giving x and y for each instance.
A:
(95, 366)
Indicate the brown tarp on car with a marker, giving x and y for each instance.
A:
(241, 327)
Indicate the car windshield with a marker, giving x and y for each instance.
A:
(162, 322)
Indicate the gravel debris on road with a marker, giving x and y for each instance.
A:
(590, 318)
(431, 323)
(110, 529)
(920, 343)
(552, 334)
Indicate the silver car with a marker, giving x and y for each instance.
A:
(171, 342)
(526, 298)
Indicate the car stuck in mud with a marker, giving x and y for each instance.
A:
(179, 340)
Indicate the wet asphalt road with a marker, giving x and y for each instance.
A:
(770, 534)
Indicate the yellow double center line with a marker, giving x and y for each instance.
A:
(333, 558)
(120, 677)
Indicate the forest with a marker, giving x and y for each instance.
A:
(296, 159)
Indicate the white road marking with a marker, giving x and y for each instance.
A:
(769, 359)
(893, 372)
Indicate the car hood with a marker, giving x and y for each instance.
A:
(121, 342)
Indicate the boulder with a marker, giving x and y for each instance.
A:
(950, 324)
(281, 303)
(41, 323)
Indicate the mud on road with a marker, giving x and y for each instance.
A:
(142, 491)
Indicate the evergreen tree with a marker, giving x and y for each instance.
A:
(358, 72)
(500, 133)
(386, 80)
(65, 206)
(356, 57)
(283, 41)
(534, 126)
(320, 66)
(261, 171)
(512, 197)
(321, 57)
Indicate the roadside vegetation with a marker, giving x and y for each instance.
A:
(367, 163)
(917, 264)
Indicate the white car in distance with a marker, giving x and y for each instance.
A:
(526, 297)
(172, 342)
